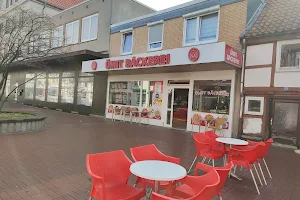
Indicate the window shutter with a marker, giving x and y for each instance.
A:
(155, 33)
(190, 35)
(209, 27)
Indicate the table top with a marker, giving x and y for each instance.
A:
(232, 141)
(158, 170)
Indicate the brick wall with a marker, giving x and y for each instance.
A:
(232, 23)
(140, 40)
(115, 45)
(173, 33)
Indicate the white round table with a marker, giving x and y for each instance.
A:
(158, 171)
(232, 141)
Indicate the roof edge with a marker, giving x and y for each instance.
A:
(158, 12)
(253, 19)
(144, 5)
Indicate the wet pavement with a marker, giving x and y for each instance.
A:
(50, 164)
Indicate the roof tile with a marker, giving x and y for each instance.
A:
(278, 16)
(64, 4)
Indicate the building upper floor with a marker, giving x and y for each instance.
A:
(273, 46)
(193, 23)
(86, 25)
(48, 7)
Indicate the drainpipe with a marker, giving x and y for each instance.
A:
(45, 5)
(242, 87)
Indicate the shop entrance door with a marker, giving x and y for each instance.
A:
(285, 121)
(177, 111)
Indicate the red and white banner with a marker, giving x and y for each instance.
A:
(208, 53)
(233, 56)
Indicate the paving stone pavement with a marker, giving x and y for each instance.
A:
(50, 164)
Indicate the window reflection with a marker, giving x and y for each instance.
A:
(85, 91)
(125, 93)
(7, 87)
(53, 88)
(212, 96)
(67, 87)
(40, 88)
(29, 86)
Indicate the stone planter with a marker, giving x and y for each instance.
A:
(13, 126)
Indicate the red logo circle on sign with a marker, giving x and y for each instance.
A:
(194, 54)
(94, 65)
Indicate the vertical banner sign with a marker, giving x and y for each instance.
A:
(232, 56)
(157, 95)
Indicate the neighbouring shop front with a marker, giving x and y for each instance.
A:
(60, 84)
(175, 88)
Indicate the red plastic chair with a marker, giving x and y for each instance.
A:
(150, 152)
(110, 173)
(207, 148)
(246, 158)
(262, 152)
(222, 171)
(194, 188)
(211, 134)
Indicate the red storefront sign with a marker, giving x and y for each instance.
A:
(233, 56)
(194, 54)
(163, 59)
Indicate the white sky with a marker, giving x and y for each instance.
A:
(162, 4)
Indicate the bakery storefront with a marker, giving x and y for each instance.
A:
(175, 88)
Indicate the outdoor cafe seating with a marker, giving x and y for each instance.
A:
(167, 180)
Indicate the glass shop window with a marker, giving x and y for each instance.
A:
(125, 93)
(212, 96)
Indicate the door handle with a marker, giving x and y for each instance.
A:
(271, 122)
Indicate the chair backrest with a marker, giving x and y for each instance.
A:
(211, 134)
(117, 110)
(113, 166)
(134, 109)
(147, 152)
(219, 123)
(201, 137)
(223, 173)
(250, 154)
(202, 142)
(266, 148)
(204, 186)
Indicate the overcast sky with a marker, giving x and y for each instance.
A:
(162, 4)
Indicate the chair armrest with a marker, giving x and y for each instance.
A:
(173, 159)
(236, 152)
(97, 180)
(252, 143)
(202, 167)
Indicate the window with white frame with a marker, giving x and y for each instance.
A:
(127, 39)
(89, 28)
(254, 105)
(201, 29)
(58, 37)
(155, 37)
(288, 54)
(72, 32)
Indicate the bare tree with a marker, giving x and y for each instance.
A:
(25, 37)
